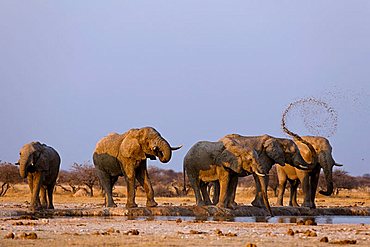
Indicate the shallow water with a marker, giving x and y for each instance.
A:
(325, 219)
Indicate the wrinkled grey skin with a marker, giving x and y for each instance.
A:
(222, 162)
(270, 151)
(40, 164)
(125, 155)
(308, 179)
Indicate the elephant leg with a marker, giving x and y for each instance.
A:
(44, 202)
(231, 193)
(30, 185)
(131, 190)
(205, 194)
(293, 193)
(258, 200)
(306, 184)
(143, 178)
(224, 178)
(314, 180)
(36, 184)
(106, 183)
(282, 186)
(50, 190)
(195, 184)
(216, 192)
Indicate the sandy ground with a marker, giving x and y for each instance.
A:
(120, 231)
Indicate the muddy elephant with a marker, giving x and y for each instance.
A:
(270, 150)
(221, 161)
(126, 155)
(40, 164)
(308, 179)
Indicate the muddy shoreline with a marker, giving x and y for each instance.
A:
(206, 211)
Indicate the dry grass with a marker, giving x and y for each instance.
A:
(21, 194)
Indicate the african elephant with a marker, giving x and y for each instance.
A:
(308, 179)
(125, 155)
(221, 161)
(270, 150)
(40, 164)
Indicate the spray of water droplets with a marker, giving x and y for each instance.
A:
(318, 117)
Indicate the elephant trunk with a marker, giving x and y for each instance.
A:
(165, 151)
(23, 172)
(264, 193)
(329, 183)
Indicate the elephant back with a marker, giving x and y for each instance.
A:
(110, 144)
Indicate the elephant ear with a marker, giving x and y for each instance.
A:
(231, 159)
(274, 151)
(40, 157)
(42, 164)
(131, 148)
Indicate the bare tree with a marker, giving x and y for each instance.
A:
(166, 182)
(84, 174)
(67, 178)
(364, 180)
(9, 175)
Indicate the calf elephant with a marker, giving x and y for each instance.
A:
(223, 162)
(308, 179)
(40, 164)
(271, 150)
(125, 155)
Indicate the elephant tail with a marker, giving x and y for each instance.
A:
(183, 171)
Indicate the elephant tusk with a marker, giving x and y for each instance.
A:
(176, 148)
(336, 164)
(303, 167)
(259, 174)
(32, 164)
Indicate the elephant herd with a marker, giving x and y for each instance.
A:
(221, 163)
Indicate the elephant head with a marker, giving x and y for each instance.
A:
(274, 150)
(324, 158)
(243, 161)
(240, 158)
(31, 159)
(292, 155)
(145, 143)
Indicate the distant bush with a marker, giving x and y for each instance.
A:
(80, 175)
(167, 182)
(341, 180)
(9, 175)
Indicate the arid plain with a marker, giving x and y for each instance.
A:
(17, 227)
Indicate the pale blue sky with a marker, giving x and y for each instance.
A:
(73, 71)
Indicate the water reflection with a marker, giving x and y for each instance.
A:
(326, 219)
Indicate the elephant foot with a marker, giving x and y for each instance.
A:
(131, 205)
(50, 207)
(258, 203)
(309, 205)
(34, 208)
(201, 203)
(294, 204)
(232, 205)
(151, 204)
(112, 205)
(220, 205)
(208, 203)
